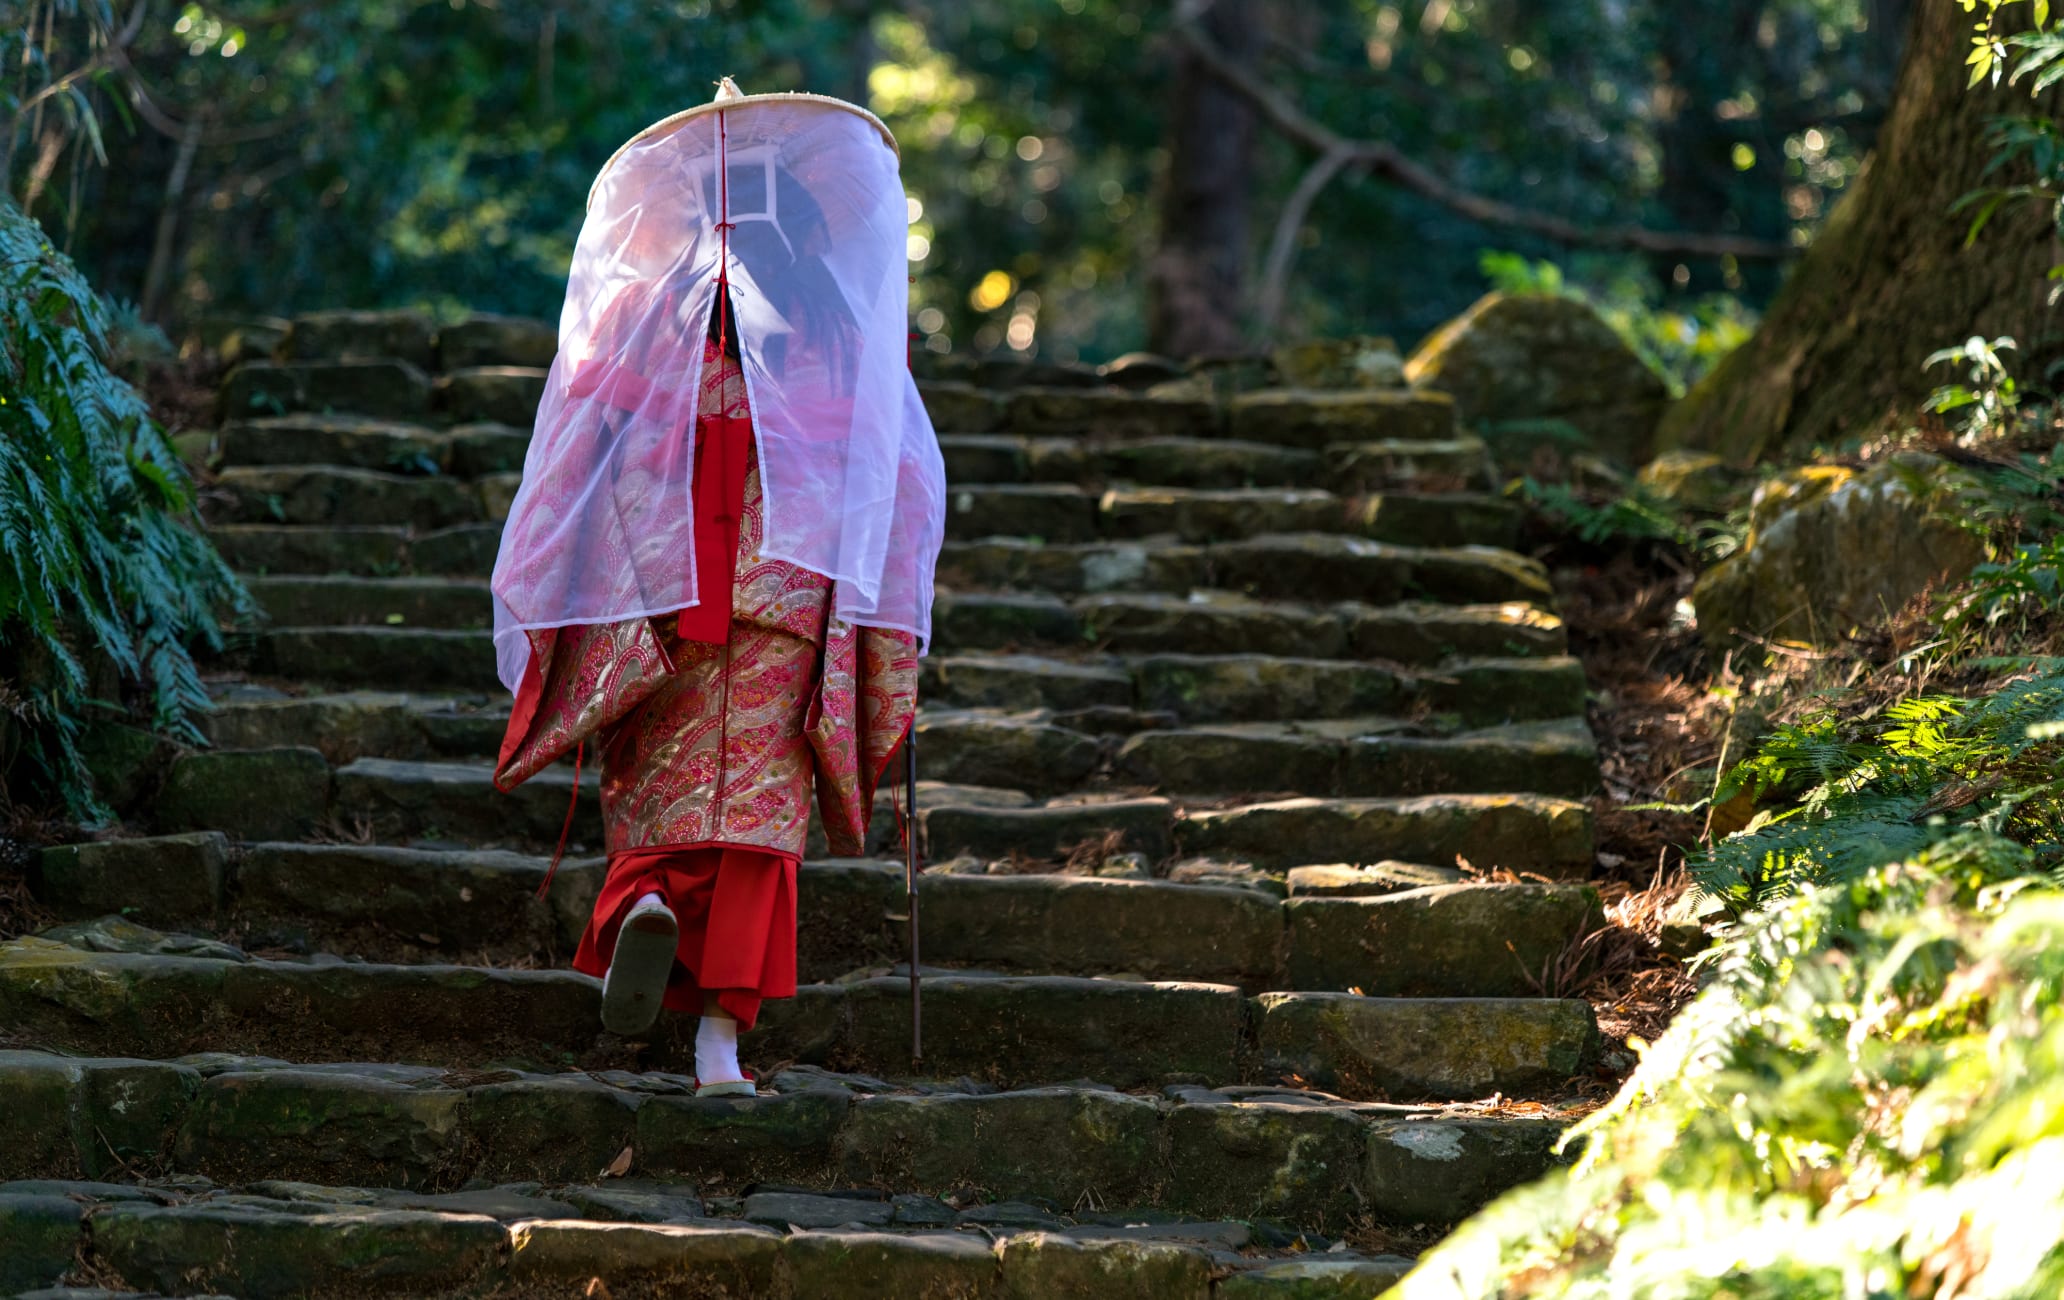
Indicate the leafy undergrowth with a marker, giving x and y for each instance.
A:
(1863, 1097)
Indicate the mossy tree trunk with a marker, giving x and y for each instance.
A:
(1889, 280)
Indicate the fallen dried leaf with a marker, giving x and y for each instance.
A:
(618, 1167)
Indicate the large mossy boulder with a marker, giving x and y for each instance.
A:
(1831, 549)
(1529, 368)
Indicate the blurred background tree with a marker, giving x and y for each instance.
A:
(1081, 183)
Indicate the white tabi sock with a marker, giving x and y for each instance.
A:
(716, 1050)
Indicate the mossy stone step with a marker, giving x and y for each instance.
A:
(391, 658)
(407, 905)
(361, 442)
(1364, 757)
(1521, 832)
(1065, 512)
(371, 551)
(385, 389)
(330, 495)
(334, 600)
(486, 339)
(1015, 1031)
(331, 1240)
(1228, 623)
(1296, 566)
(1304, 418)
(1107, 413)
(506, 395)
(383, 724)
(355, 335)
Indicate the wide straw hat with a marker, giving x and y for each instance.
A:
(729, 96)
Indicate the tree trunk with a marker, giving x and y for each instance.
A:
(1889, 280)
(1196, 280)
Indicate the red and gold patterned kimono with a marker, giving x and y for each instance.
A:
(713, 725)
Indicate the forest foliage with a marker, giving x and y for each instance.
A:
(1864, 1099)
(104, 582)
(271, 155)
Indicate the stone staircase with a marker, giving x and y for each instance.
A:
(1223, 689)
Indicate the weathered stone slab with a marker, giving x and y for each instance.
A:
(1440, 1170)
(1022, 682)
(1228, 688)
(1209, 463)
(459, 901)
(1429, 634)
(1316, 1278)
(258, 794)
(384, 658)
(503, 394)
(1442, 1048)
(1013, 753)
(1109, 413)
(1048, 511)
(1046, 832)
(390, 389)
(39, 1238)
(1215, 624)
(1031, 1031)
(335, 599)
(1371, 466)
(1438, 519)
(736, 1141)
(483, 448)
(1556, 758)
(1451, 941)
(961, 408)
(360, 335)
(686, 1260)
(565, 1128)
(1522, 832)
(1000, 622)
(1056, 1144)
(288, 548)
(326, 495)
(1216, 516)
(1050, 1266)
(1083, 925)
(255, 1253)
(951, 1266)
(129, 1111)
(351, 441)
(1295, 1164)
(460, 551)
(322, 1127)
(160, 879)
(983, 457)
(485, 339)
(459, 800)
(1228, 760)
(39, 1122)
(1313, 418)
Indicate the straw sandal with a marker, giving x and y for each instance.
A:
(637, 977)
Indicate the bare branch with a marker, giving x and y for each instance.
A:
(1382, 159)
(1275, 276)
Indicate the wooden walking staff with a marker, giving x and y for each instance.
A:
(910, 870)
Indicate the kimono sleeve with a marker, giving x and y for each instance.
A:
(866, 702)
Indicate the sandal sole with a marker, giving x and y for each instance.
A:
(637, 981)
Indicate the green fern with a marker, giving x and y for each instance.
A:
(98, 558)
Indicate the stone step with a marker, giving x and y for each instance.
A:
(451, 801)
(361, 442)
(1363, 757)
(1011, 1031)
(383, 388)
(331, 495)
(1482, 691)
(413, 905)
(1212, 463)
(462, 550)
(309, 601)
(1297, 566)
(289, 1132)
(277, 1237)
(1228, 623)
(1065, 512)
(1306, 566)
